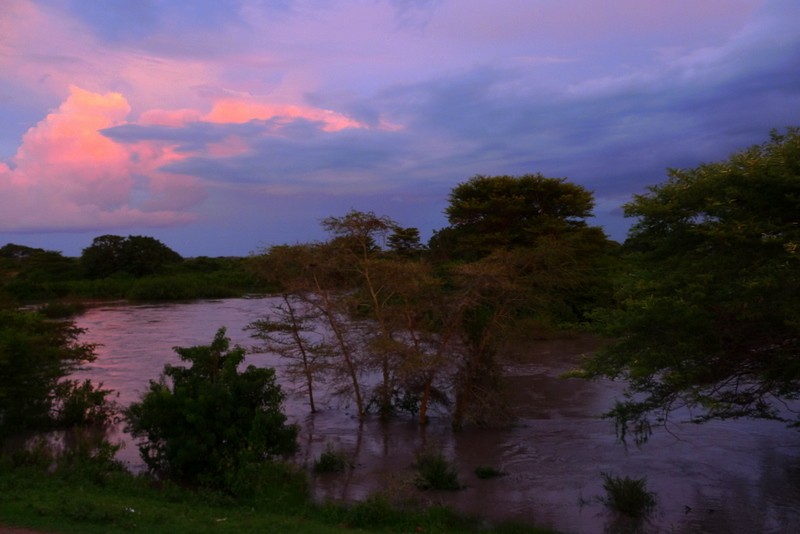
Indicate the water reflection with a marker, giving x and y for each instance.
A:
(735, 476)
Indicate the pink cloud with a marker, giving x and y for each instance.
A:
(67, 175)
(164, 117)
(240, 111)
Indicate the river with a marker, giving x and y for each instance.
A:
(731, 476)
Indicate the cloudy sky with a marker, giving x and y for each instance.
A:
(223, 126)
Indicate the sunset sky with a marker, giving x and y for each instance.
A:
(224, 126)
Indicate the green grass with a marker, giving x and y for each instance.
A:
(82, 499)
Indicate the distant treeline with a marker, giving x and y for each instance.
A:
(115, 267)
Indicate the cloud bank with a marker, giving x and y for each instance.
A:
(243, 119)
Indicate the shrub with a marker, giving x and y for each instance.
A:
(628, 495)
(35, 355)
(434, 471)
(205, 423)
(331, 461)
(487, 471)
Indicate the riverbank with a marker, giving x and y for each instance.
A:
(86, 500)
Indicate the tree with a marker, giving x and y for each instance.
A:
(291, 332)
(205, 423)
(357, 237)
(490, 212)
(135, 255)
(707, 316)
(36, 356)
(405, 242)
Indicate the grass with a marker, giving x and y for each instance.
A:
(628, 495)
(85, 498)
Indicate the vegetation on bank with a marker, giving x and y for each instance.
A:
(30, 275)
(89, 495)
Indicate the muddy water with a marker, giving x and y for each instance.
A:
(735, 476)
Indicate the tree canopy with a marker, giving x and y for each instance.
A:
(707, 314)
(487, 213)
(134, 255)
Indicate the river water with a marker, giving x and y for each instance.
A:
(732, 476)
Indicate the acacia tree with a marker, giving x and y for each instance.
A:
(289, 332)
(487, 213)
(518, 251)
(707, 315)
(358, 237)
(310, 276)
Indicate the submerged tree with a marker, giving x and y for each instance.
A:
(291, 331)
(707, 314)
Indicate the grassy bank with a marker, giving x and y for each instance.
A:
(88, 498)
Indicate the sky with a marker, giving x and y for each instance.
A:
(221, 127)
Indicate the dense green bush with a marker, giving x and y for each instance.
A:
(209, 423)
(36, 354)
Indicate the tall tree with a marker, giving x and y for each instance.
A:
(491, 212)
(708, 314)
(135, 255)
(313, 277)
(358, 237)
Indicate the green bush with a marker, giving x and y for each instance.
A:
(331, 461)
(487, 471)
(434, 471)
(208, 423)
(628, 495)
(36, 354)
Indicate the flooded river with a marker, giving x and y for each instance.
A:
(733, 476)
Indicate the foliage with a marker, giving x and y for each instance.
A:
(331, 461)
(29, 274)
(488, 471)
(487, 213)
(707, 314)
(134, 255)
(435, 472)
(208, 423)
(35, 355)
(291, 333)
(628, 495)
(75, 499)
(405, 242)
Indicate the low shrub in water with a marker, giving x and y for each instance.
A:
(434, 471)
(487, 471)
(331, 461)
(628, 495)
